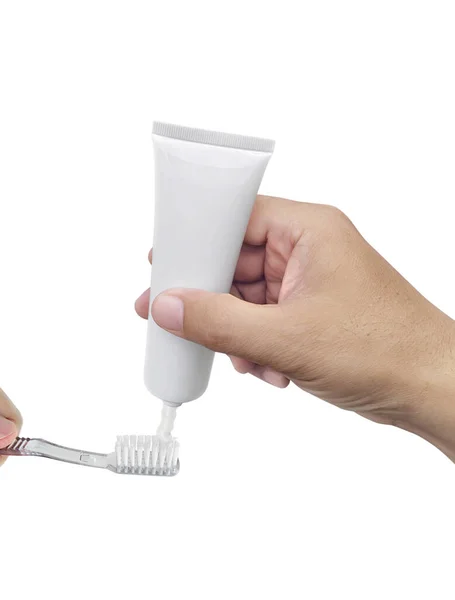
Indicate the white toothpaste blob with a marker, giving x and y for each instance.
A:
(168, 414)
(205, 187)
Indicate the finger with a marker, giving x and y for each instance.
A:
(278, 216)
(8, 433)
(222, 323)
(273, 214)
(10, 422)
(241, 365)
(266, 374)
(252, 292)
(9, 411)
(151, 255)
(250, 266)
(142, 304)
(270, 376)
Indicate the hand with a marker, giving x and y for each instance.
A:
(10, 422)
(315, 304)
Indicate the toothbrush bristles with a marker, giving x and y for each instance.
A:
(147, 455)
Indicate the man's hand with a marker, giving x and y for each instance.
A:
(315, 304)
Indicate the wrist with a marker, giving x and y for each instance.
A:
(430, 393)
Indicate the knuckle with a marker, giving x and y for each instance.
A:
(336, 217)
(334, 225)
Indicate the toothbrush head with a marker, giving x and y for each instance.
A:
(146, 455)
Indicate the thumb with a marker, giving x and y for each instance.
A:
(222, 323)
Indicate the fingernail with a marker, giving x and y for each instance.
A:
(167, 312)
(7, 428)
(274, 378)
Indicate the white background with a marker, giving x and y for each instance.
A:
(280, 495)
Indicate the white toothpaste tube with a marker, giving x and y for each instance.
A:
(206, 183)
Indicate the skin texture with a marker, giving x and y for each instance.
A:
(10, 422)
(313, 303)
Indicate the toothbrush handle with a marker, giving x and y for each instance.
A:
(70, 455)
(45, 449)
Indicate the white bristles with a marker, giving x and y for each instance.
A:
(170, 454)
(140, 451)
(175, 456)
(147, 455)
(147, 451)
(118, 450)
(155, 451)
(162, 455)
(125, 447)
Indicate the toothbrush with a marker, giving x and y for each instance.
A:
(133, 455)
